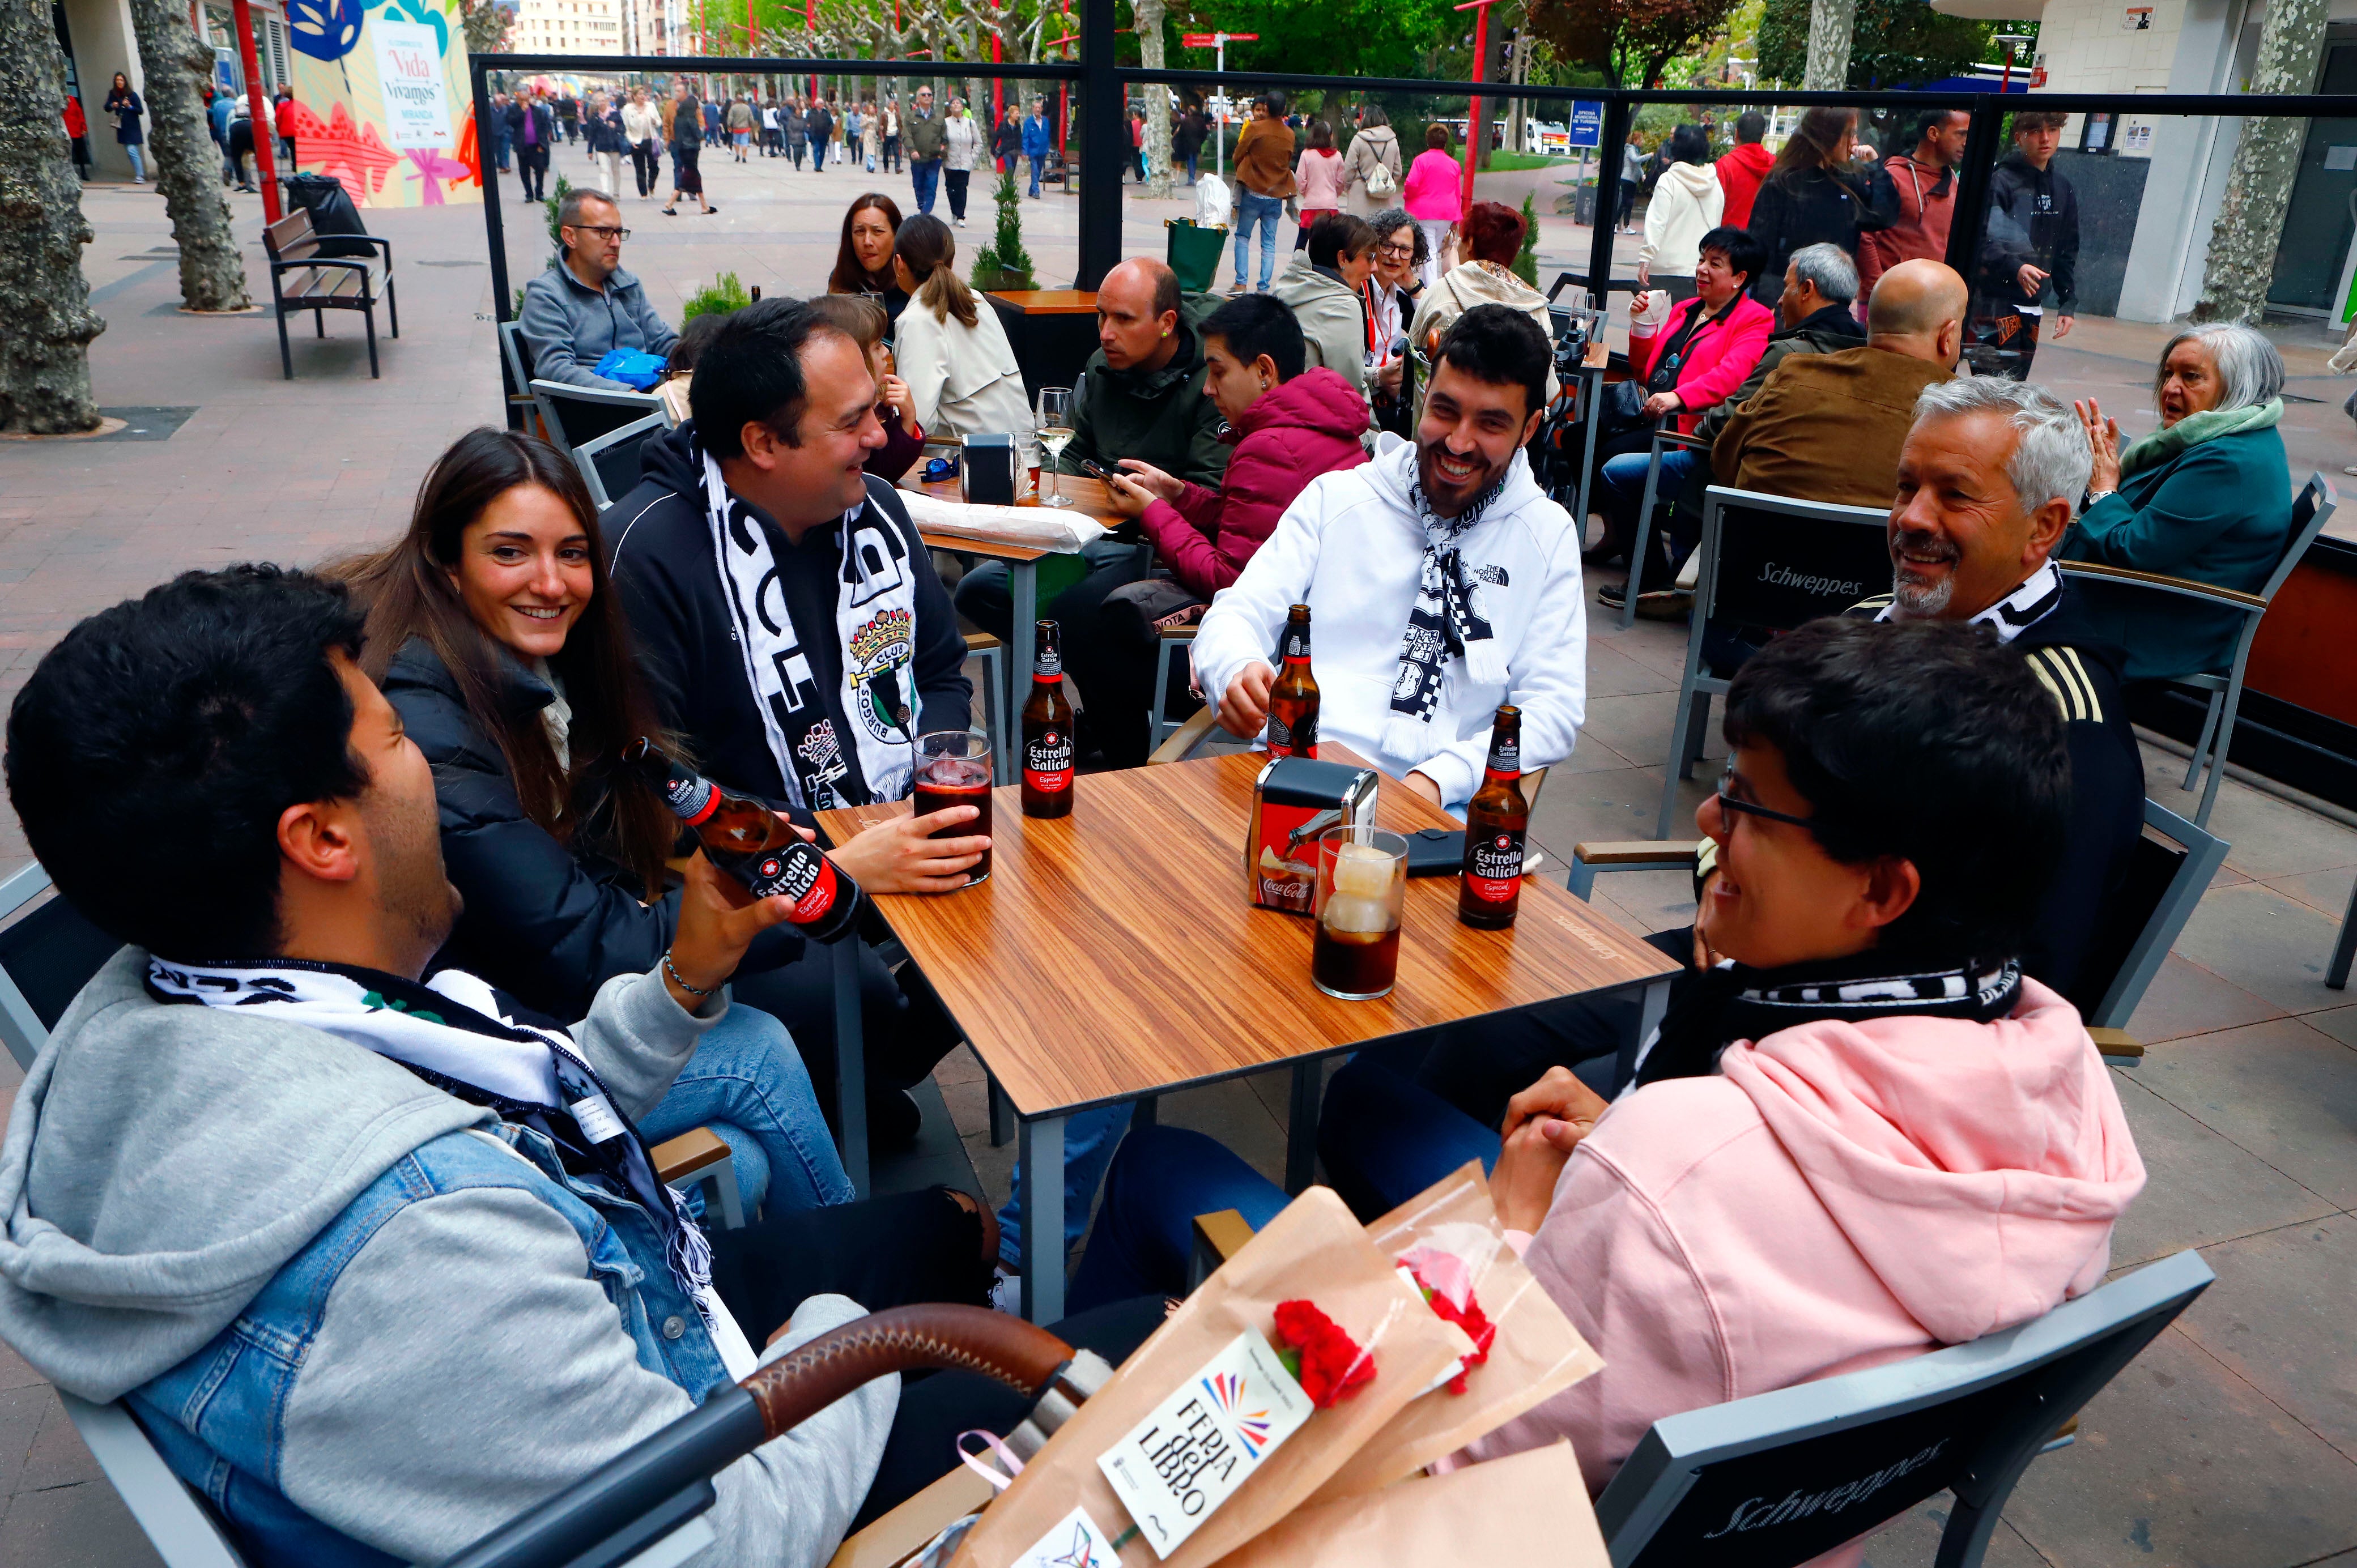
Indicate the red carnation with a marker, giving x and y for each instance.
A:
(1469, 1317)
(1326, 1361)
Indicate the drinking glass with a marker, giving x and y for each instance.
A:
(954, 769)
(1361, 885)
(1055, 433)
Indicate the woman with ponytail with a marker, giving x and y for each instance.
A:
(950, 350)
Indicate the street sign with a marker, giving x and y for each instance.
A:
(1213, 40)
(1587, 124)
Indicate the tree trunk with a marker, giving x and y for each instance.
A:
(1831, 23)
(46, 322)
(2243, 242)
(188, 164)
(1147, 16)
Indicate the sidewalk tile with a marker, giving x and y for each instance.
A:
(2269, 945)
(2279, 1090)
(2279, 1317)
(2184, 999)
(2200, 1189)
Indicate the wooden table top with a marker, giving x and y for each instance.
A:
(1088, 499)
(1050, 301)
(1112, 953)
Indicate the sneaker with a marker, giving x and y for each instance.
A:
(1612, 595)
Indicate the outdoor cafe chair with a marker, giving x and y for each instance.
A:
(1768, 564)
(578, 415)
(1776, 1479)
(610, 463)
(1665, 438)
(2313, 508)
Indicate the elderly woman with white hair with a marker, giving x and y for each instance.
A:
(2207, 496)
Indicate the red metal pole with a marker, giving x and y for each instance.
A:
(810, 16)
(997, 97)
(1474, 133)
(752, 33)
(242, 18)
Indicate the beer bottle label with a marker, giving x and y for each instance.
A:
(1285, 740)
(797, 872)
(1048, 760)
(1296, 646)
(1493, 865)
(1047, 664)
(690, 798)
(1505, 757)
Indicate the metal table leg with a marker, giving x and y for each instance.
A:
(850, 1065)
(1593, 395)
(1023, 579)
(1301, 1126)
(1042, 1152)
(1651, 1010)
(1002, 1113)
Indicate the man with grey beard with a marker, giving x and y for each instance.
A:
(1988, 481)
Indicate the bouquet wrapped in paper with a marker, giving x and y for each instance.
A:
(1260, 1385)
(1528, 1508)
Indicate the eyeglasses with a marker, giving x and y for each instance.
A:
(603, 230)
(938, 469)
(1727, 803)
(1396, 252)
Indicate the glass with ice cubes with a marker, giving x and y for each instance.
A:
(1361, 884)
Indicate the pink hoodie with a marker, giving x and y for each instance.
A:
(1837, 1197)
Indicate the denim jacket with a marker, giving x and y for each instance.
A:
(218, 1417)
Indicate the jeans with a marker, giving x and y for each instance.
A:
(956, 179)
(794, 150)
(646, 165)
(747, 1083)
(1089, 1139)
(507, 143)
(985, 596)
(1039, 163)
(892, 153)
(1267, 212)
(1624, 493)
(925, 174)
(138, 166)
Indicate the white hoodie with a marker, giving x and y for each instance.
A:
(1350, 548)
(1687, 203)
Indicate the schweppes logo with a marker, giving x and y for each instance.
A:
(886, 629)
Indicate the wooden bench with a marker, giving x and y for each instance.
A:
(303, 279)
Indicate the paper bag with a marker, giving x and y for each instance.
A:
(1536, 1354)
(1314, 1251)
(1043, 527)
(1530, 1508)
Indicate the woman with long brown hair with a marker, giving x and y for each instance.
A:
(495, 633)
(863, 262)
(1817, 193)
(952, 353)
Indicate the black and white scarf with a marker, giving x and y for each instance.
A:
(2039, 596)
(1713, 1008)
(1449, 621)
(458, 1034)
(875, 632)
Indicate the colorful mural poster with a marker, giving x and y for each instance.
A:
(382, 102)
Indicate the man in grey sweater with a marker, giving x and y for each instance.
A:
(585, 305)
(375, 1262)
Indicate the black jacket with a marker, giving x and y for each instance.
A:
(2082, 670)
(687, 126)
(603, 131)
(1818, 207)
(2033, 218)
(546, 923)
(662, 566)
(543, 125)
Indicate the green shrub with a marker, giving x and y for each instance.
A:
(1004, 264)
(718, 297)
(1526, 260)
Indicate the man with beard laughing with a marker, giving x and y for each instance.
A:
(1988, 481)
(1441, 582)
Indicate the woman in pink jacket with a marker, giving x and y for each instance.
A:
(1690, 363)
(1859, 1136)
(1434, 196)
(1287, 425)
(1321, 176)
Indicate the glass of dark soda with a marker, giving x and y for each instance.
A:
(954, 769)
(1361, 886)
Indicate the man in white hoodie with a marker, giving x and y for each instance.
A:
(1441, 581)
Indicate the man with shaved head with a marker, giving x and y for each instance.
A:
(1828, 427)
(1140, 395)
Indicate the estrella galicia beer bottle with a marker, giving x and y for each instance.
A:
(1047, 722)
(753, 843)
(1496, 820)
(1293, 701)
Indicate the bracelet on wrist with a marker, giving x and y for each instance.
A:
(680, 980)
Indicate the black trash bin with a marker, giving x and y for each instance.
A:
(332, 212)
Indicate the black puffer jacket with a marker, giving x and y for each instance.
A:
(2033, 222)
(1816, 207)
(546, 923)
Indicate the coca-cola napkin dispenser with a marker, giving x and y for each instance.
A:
(986, 471)
(1294, 801)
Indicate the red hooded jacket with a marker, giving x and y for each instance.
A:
(1739, 174)
(1308, 426)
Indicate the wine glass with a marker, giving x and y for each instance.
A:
(1055, 433)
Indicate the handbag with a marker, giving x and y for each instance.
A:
(1621, 408)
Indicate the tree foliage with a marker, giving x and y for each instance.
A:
(1632, 41)
(1897, 43)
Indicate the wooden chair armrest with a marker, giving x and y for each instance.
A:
(975, 642)
(1638, 852)
(679, 1159)
(1178, 633)
(1224, 1232)
(1186, 737)
(2184, 586)
(2118, 1047)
